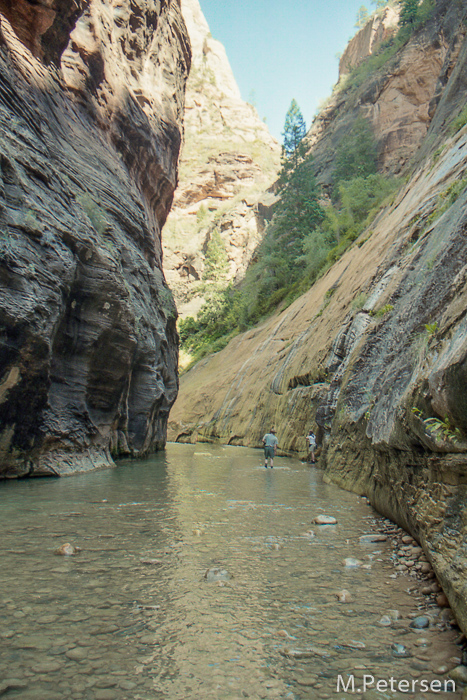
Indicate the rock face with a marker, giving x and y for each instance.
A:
(399, 99)
(374, 355)
(379, 28)
(90, 141)
(228, 161)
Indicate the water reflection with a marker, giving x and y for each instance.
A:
(133, 616)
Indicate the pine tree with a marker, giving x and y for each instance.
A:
(409, 10)
(362, 17)
(294, 131)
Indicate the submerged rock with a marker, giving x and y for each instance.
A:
(352, 563)
(400, 651)
(420, 622)
(67, 550)
(325, 520)
(217, 574)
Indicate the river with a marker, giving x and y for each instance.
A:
(201, 575)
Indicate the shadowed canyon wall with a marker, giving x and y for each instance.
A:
(92, 101)
(374, 355)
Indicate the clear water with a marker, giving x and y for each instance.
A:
(132, 616)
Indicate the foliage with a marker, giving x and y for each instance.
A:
(435, 425)
(431, 328)
(387, 308)
(215, 259)
(460, 121)
(408, 14)
(356, 154)
(362, 17)
(95, 213)
(446, 199)
(449, 431)
(303, 239)
(294, 131)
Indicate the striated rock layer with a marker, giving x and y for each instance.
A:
(374, 356)
(89, 145)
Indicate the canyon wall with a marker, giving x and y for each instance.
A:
(92, 102)
(373, 356)
(228, 161)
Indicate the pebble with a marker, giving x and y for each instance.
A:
(46, 667)
(217, 574)
(373, 538)
(408, 540)
(351, 563)
(106, 683)
(67, 550)
(344, 596)
(76, 654)
(442, 601)
(306, 680)
(308, 533)
(12, 684)
(325, 520)
(420, 622)
(459, 674)
(441, 670)
(400, 651)
(422, 642)
(385, 621)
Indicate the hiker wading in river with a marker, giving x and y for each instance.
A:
(270, 448)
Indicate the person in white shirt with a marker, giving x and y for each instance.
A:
(311, 442)
(270, 443)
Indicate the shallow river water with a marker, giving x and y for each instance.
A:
(198, 578)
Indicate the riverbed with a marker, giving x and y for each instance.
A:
(199, 574)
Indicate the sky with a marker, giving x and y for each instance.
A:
(281, 50)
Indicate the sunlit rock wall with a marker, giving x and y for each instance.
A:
(90, 136)
(373, 356)
(228, 160)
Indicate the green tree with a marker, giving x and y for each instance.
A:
(356, 154)
(380, 3)
(215, 259)
(409, 10)
(362, 17)
(294, 131)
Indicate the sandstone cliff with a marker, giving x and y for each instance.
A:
(228, 161)
(374, 354)
(92, 99)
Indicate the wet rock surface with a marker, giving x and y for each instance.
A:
(88, 170)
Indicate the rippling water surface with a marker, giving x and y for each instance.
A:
(132, 616)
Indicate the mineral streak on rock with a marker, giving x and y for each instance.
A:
(89, 148)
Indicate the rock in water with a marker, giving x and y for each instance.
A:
(67, 550)
(351, 563)
(217, 574)
(89, 167)
(400, 651)
(325, 520)
(420, 622)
